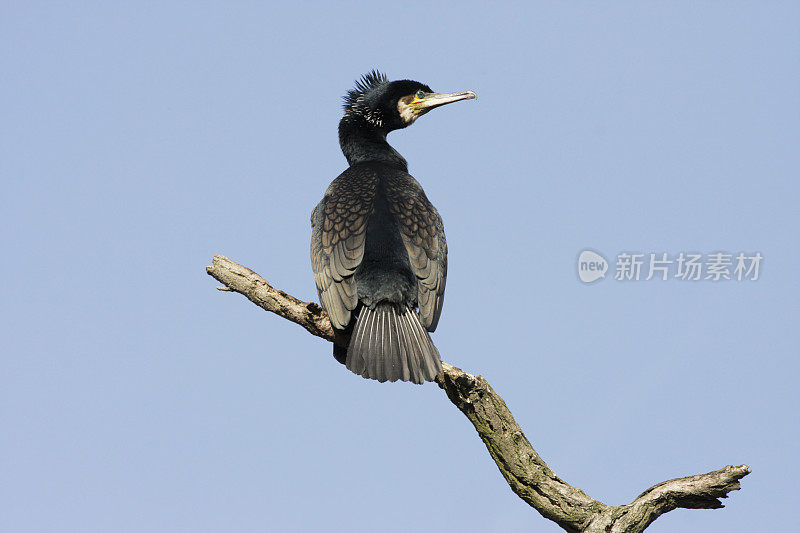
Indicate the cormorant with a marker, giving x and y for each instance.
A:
(378, 249)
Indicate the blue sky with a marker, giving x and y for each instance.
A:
(138, 140)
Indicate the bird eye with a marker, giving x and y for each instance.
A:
(420, 94)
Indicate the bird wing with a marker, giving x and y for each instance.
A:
(422, 231)
(338, 237)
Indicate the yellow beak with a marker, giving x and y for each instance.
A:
(434, 100)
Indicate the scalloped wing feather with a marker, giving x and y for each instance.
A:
(338, 238)
(422, 231)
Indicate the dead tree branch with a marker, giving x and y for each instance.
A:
(526, 473)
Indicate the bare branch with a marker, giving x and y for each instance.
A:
(525, 471)
(693, 492)
(238, 278)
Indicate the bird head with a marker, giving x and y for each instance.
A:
(391, 105)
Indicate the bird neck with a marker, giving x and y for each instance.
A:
(362, 142)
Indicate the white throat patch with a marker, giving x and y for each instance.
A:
(406, 112)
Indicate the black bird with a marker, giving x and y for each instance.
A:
(378, 249)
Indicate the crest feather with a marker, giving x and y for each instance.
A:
(367, 82)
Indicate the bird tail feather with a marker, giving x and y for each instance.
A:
(389, 343)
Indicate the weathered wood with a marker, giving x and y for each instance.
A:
(525, 471)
